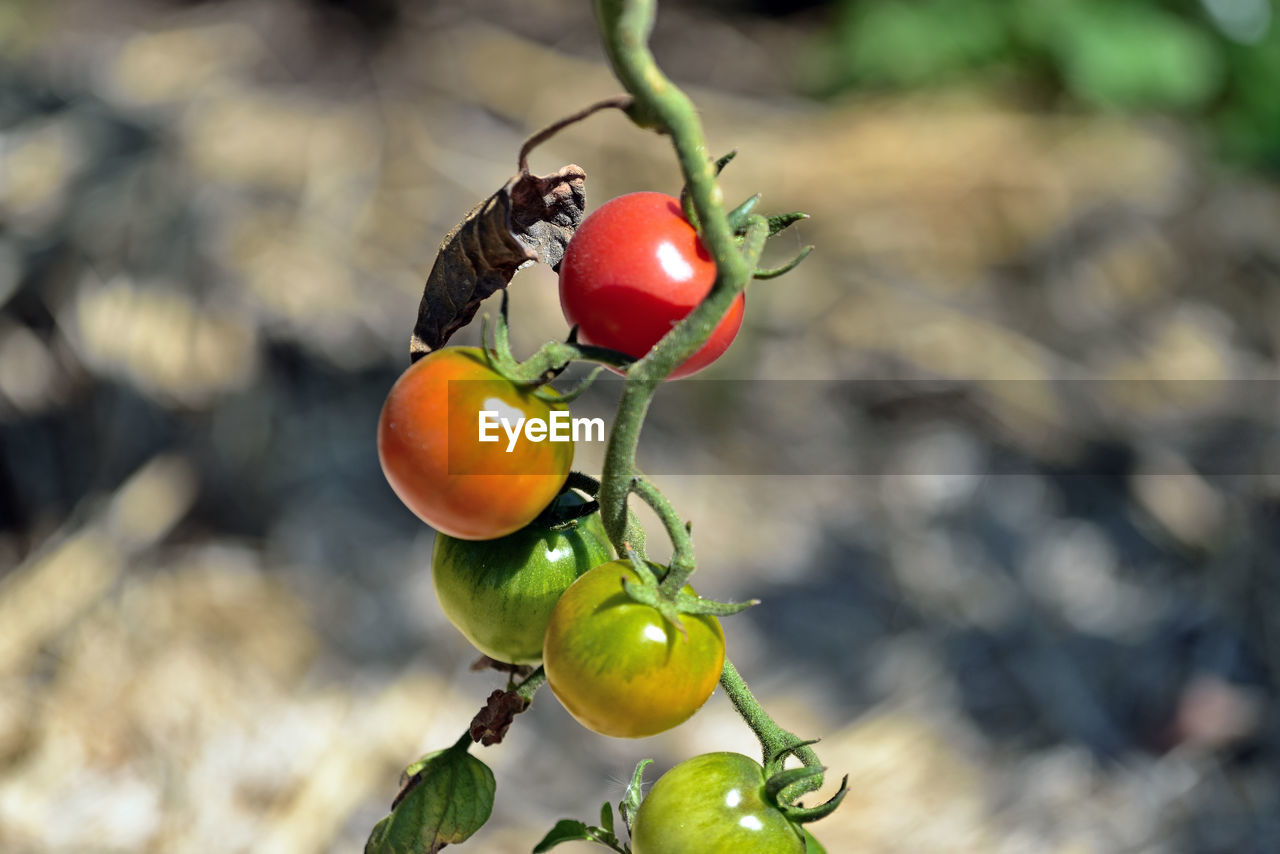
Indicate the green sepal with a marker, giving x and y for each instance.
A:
(550, 395)
(780, 780)
(773, 762)
(802, 815)
(775, 272)
(630, 803)
(738, 216)
(498, 353)
(647, 594)
(647, 576)
(781, 222)
(447, 796)
(686, 201)
(724, 160)
(697, 606)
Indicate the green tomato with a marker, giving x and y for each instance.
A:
(500, 593)
(713, 804)
(618, 666)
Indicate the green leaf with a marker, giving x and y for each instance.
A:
(630, 803)
(566, 830)
(569, 830)
(606, 816)
(447, 797)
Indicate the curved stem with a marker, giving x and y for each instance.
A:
(619, 102)
(682, 561)
(553, 357)
(620, 463)
(625, 26)
(773, 738)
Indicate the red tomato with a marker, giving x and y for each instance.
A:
(429, 447)
(634, 269)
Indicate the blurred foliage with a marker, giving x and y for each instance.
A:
(1213, 61)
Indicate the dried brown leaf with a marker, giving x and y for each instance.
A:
(530, 219)
(484, 662)
(491, 723)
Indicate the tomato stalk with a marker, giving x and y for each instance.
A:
(547, 362)
(682, 561)
(735, 240)
(658, 103)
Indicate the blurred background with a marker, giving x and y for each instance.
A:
(1034, 606)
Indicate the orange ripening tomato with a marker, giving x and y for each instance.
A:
(430, 449)
(618, 666)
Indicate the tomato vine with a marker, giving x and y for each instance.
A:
(735, 240)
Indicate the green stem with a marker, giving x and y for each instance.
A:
(682, 561)
(773, 738)
(530, 684)
(625, 26)
(620, 466)
(555, 356)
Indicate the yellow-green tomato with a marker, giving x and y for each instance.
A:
(500, 593)
(618, 666)
(713, 804)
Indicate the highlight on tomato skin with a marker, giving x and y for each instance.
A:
(429, 448)
(618, 667)
(633, 269)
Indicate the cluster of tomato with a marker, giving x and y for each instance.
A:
(524, 592)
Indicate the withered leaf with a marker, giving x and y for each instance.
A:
(530, 219)
(491, 723)
(484, 662)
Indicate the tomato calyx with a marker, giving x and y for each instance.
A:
(780, 781)
(650, 591)
(686, 200)
(749, 228)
